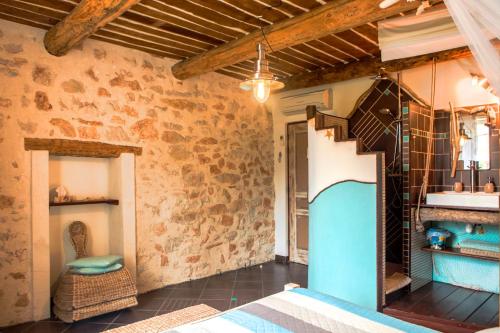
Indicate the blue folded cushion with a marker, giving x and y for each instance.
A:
(480, 245)
(95, 262)
(96, 270)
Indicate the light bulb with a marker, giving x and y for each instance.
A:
(261, 90)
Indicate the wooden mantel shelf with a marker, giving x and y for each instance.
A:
(64, 147)
(85, 202)
(438, 214)
(456, 252)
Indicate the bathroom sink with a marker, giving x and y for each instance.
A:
(464, 199)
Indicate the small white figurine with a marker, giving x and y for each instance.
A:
(62, 194)
(469, 228)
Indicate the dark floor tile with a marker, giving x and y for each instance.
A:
(86, 328)
(17, 328)
(249, 275)
(247, 293)
(114, 325)
(217, 291)
(219, 304)
(195, 284)
(214, 283)
(272, 268)
(298, 271)
(275, 289)
(273, 284)
(103, 319)
(160, 293)
(299, 278)
(293, 267)
(248, 285)
(298, 274)
(174, 304)
(147, 302)
(266, 276)
(216, 294)
(131, 316)
(267, 292)
(47, 327)
(231, 276)
(185, 293)
(242, 301)
(274, 276)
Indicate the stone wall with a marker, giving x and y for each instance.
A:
(204, 182)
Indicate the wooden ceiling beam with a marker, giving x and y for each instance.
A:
(369, 66)
(110, 32)
(333, 17)
(85, 19)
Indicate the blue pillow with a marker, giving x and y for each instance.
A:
(480, 245)
(99, 262)
(96, 270)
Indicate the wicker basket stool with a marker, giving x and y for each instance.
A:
(83, 296)
(164, 322)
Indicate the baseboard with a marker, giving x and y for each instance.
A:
(281, 259)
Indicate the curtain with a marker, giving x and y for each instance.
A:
(478, 22)
(413, 35)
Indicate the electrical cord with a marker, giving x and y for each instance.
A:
(280, 2)
(265, 38)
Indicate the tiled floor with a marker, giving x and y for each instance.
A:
(222, 292)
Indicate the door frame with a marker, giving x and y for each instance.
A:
(289, 221)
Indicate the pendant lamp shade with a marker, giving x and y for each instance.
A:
(262, 81)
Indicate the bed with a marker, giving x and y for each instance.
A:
(300, 310)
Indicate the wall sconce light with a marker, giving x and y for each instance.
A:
(463, 135)
(481, 81)
(493, 116)
(475, 80)
(478, 80)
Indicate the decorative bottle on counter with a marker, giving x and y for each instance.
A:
(489, 187)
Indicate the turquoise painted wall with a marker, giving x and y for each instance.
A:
(463, 271)
(342, 243)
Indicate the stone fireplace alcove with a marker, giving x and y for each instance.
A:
(112, 224)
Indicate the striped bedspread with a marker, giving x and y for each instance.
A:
(300, 310)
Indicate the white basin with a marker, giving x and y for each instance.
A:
(464, 199)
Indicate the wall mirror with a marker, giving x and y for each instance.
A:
(474, 139)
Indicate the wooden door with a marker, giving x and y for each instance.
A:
(298, 215)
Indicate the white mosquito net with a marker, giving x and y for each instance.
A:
(478, 22)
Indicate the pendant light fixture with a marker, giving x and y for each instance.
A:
(263, 81)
